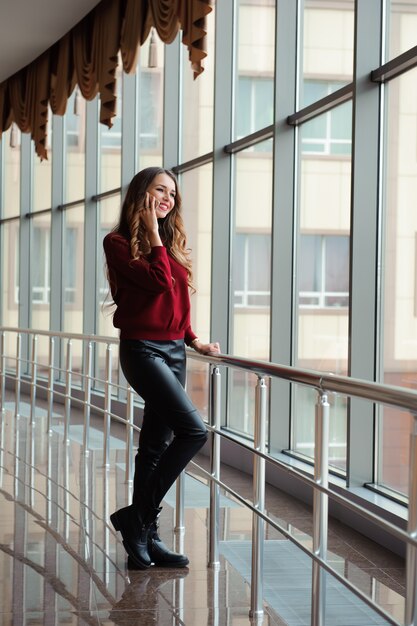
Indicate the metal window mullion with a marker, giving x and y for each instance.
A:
(91, 248)
(26, 174)
(221, 302)
(26, 178)
(283, 219)
(56, 247)
(323, 271)
(246, 271)
(172, 99)
(364, 238)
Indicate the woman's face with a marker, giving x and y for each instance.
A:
(163, 189)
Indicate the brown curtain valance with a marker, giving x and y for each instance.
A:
(88, 56)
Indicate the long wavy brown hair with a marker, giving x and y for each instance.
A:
(171, 227)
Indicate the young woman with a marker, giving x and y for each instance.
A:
(149, 272)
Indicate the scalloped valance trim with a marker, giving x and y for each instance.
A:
(87, 56)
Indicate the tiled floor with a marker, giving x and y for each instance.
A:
(62, 563)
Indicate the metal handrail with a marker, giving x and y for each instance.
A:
(322, 383)
(376, 392)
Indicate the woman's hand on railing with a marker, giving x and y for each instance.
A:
(206, 348)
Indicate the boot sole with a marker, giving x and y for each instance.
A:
(167, 564)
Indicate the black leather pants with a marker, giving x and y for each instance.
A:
(172, 429)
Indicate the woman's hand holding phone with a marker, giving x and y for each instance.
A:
(149, 219)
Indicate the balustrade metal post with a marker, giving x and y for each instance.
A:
(179, 509)
(18, 373)
(214, 417)
(87, 396)
(33, 377)
(66, 493)
(2, 371)
(258, 524)
(68, 381)
(50, 383)
(107, 405)
(34, 364)
(129, 437)
(411, 563)
(320, 509)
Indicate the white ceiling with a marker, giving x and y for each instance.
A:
(29, 27)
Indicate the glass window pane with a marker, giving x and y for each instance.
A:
(402, 25)
(197, 101)
(322, 316)
(10, 273)
(195, 187)
(328, 35)
(110, 145)
(251, 271)
(399, 327)
(109, 211)
(310, 262)
(73, 263)
(337, 264)
(329, 133)
(42, 174)
(254, 107)
(150, 104)
(10, 199)
(75, 118)
(40, 271)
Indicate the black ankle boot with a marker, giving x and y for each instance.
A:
(160, 554)
(134, 528)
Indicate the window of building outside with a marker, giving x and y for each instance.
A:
(324, 271)
(330, 133)
(255, 110)
(251, 278)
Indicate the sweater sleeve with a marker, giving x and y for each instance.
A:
(189, 335)
(152, 273)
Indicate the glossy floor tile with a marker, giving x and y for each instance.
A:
(61, 562)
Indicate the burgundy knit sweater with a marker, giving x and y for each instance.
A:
(151, 293)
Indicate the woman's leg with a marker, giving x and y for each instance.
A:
(156, 370)
(154, 438)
